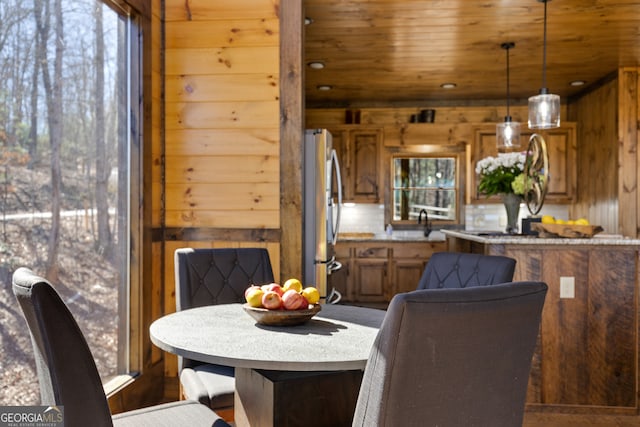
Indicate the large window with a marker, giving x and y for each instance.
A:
(66, 132)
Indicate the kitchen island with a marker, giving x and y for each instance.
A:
(586, 361)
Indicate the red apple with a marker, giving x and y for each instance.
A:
(292, 300)
(273, 287)
(249, 289)
(271, 300)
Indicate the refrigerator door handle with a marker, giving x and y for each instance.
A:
(336, 167)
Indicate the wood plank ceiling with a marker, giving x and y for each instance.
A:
(399, 52)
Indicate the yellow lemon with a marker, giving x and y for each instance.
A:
(311, 294)
(548, 219)
(560, 221)
(582, 221)
(294, 284)
(254, 297)
(570, 222)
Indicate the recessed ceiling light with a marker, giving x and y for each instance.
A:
(324, 87)
(316, 65)
(308, 21)
(577, 83)
(448, 85)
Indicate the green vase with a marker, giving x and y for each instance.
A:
(512, 206)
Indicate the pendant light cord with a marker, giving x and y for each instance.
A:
(508, 94)
(544, 47)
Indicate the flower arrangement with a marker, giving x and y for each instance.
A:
(502, 174)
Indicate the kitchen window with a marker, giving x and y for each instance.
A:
(424, 183)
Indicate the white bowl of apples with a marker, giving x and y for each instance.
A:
(289, 304)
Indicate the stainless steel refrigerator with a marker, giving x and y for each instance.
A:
(322, 202)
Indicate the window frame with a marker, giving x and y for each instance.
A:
(427, 151)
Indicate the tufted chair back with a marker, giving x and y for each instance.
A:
(462, 270)
(218, 276)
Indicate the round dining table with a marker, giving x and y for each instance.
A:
(314, 363)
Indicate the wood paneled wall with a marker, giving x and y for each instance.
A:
(222, 114)
(628, 156)
(597, 135)
(219, 162)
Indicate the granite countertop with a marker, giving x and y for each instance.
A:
(519, 239)
(395, 236)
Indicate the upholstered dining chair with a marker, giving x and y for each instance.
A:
(462, 270)
(67, 372)
(467, 364)
(215, 276)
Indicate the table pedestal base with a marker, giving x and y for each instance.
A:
(308, 399)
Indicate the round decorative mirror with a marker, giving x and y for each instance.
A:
(536, 172)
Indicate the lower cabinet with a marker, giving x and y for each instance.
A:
(375, 271)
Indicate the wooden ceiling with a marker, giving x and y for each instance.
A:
(399, 52)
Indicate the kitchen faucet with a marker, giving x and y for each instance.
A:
(427, 223)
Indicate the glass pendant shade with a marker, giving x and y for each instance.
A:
(544, 111)
(508, 134)
(544, 108)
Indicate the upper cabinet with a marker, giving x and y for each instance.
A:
(561, 146)
(358, 150)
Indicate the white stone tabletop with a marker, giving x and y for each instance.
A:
(339, 337)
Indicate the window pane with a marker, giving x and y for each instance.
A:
(424, 183)
(64, 172)
(440, 204)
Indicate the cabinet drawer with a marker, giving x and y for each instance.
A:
(342, 251)
(418, 250)
(372, 252)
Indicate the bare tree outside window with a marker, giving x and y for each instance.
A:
(62, 130)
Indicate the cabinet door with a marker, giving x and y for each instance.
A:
(406, 275)
(340, 139)
(358, 152)
(371, 280)
(340, 281)
(365, 149)
(561, 146)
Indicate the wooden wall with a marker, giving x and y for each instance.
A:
(218, 167)
(597, 135)
(608, 155)
(628, 172)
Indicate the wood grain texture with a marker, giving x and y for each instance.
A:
(628, 119)
(383, 52)
(291, 131)
(202, 34)
(598, 147)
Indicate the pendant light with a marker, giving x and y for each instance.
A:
(544, 109)
(508, 133)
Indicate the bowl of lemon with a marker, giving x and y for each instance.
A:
(550, 226)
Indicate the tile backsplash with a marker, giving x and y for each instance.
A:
(369, 217)
(493, 217)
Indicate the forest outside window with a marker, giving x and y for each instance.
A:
(428, 183)
(68, 75)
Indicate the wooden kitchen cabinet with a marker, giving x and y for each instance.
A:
(561, 146)
(359, 154)
(374, 271)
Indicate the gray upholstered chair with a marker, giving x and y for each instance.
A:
(67, 372)
(462, 270)
(207, 277)
(453, 357)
